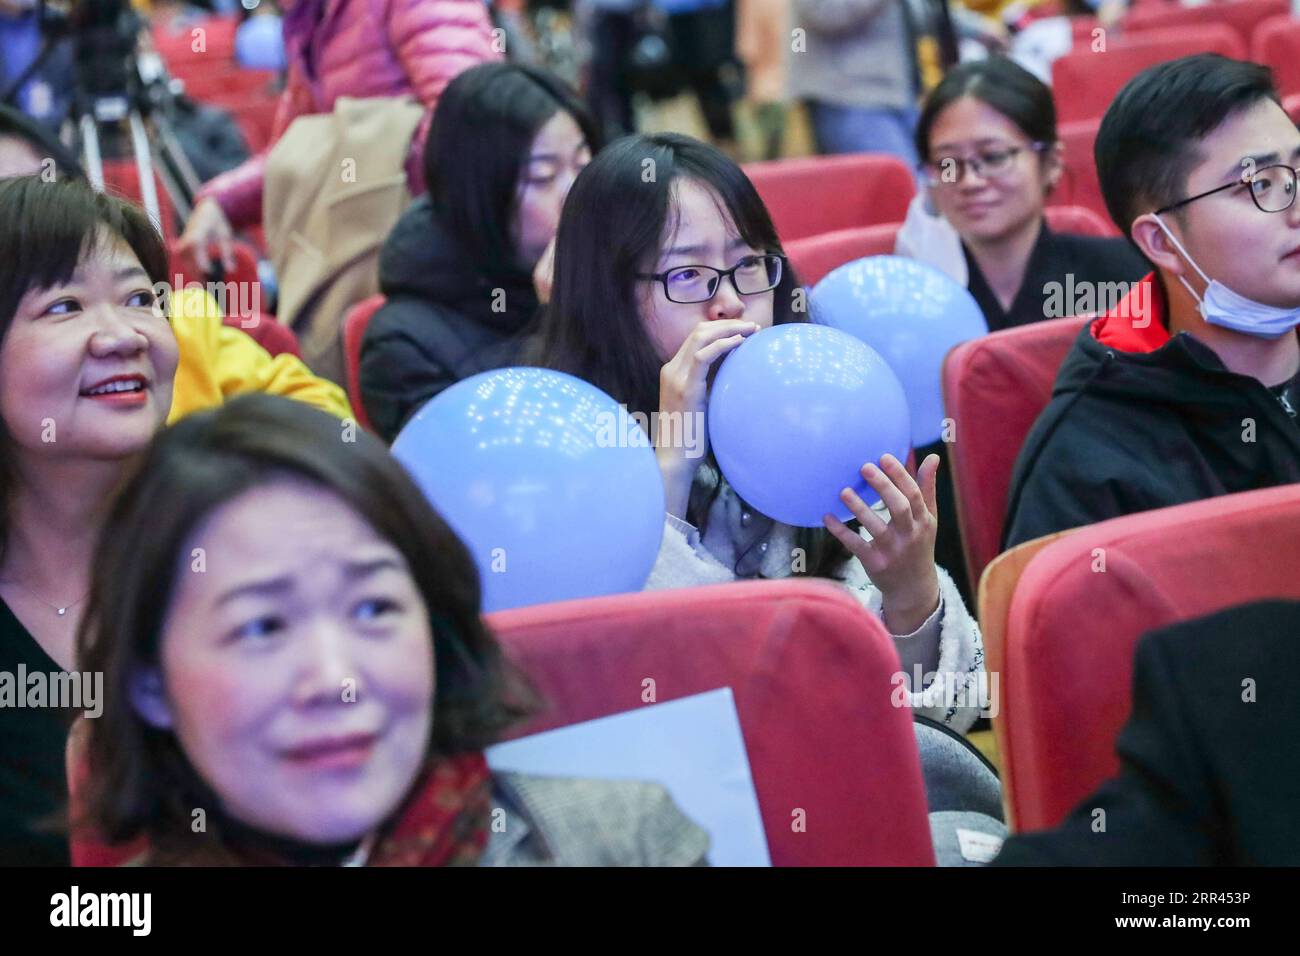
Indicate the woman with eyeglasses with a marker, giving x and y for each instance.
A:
(990, 158)
(666, 260)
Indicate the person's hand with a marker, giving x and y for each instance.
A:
(899, 558)
(683, 394)
(208, 225)
(544, 273)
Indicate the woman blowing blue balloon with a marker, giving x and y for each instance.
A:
(639, 309)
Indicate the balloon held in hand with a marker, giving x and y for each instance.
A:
(794, 414)
(910, 313)
(554, 490)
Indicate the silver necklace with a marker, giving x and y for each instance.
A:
(60, 611)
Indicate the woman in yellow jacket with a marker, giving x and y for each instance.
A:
(218, 362)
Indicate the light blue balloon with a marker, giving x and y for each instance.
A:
(554, 490)
(910, 313)
(795, 412)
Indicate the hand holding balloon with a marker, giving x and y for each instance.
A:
(684, 391)
(899, 558)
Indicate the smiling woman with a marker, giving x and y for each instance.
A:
(86, 367)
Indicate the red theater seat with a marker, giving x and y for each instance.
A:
(994, 388)
(122, 178)
(1242, 16)
(813, 257)
(1071, 630)
(354, 330)
(1085, 81)
(811, 672)
(1078, 186)
(818, 194)
(1276, 44)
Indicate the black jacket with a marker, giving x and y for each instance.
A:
(1208, 773)
(1131, 428)
(444, 320)
(1056, 255)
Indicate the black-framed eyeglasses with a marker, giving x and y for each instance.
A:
(750, 276)
(989, 162)
(1272, 188)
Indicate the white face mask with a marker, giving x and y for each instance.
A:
(1222, 307)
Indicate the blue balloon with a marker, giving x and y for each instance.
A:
(910, 313)
(553, 488)
(795, 412)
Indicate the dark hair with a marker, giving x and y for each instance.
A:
(19, 125)
(614, 220)
(1146, 146)
(45, 229)
(483, 128)
(140, 779)
(1001, 83)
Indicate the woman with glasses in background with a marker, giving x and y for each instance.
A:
(665, 261)
(989, 160)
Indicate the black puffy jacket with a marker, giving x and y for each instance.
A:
(444, 320)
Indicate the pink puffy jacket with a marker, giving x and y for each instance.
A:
(362, 48)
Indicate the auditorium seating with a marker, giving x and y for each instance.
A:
(354, 330)
(818, 194)
(834, 763)
(812, 258)
(1080, 605)
(1276, 44)
(810, 670)
(1241, 16)
(1093, 78)
(994, 388)
(1078, 185)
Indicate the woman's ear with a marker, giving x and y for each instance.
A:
(1155, 245)
(1054, 166)
(149, 698)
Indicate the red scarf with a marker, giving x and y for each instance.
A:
(445, 822)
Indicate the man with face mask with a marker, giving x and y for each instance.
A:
(1189, 386)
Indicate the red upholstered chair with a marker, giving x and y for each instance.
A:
(1292, 106)
(354, 329)
(1093, 79)
(813, 257)
(268, 333)
(1242, 16)
(994, 388)
(184, 265)
(230, 85)
(810, 671)
(1276, 44)
(1071, 630)
(819, 194)
(1078, 186)
(122, 178)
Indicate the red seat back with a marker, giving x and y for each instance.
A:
(819, 194)
(1241, 16)
(815, 257)
(810, 671)
(1093, 78)
(1079, 186)
(994, 388)
(354, 330)
(1276, 44)
(122, 178)
(1072, 628)
(834, 763)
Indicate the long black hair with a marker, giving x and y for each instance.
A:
(483, 128)
(614, 221)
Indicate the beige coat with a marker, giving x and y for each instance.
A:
(762, 44)
(335, 186)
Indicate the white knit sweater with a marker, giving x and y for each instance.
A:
(740, 543)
